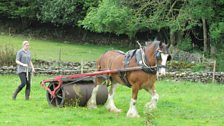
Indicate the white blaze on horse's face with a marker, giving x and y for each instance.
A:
(162, 70)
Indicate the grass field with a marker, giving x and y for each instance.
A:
(180, 104)
(50, 49)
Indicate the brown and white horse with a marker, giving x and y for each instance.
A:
(153, 58)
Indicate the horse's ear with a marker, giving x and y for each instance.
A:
(160, 44)
(168, 46)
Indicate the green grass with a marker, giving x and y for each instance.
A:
(180, 104)
(50, 49)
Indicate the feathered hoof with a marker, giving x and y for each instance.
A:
(133, 115)
(91, 106)
(115, 110)
(150, 106)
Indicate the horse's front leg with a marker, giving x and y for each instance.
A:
(110, 100)
(132, 112)
(155, 97)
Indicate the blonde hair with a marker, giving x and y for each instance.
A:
(25, 42)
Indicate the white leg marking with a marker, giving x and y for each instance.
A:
(92, 101)
(110, 101)
(152, 104)
(132, 112)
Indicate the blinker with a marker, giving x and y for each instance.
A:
(158, 55)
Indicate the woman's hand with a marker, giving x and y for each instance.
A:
(22, 64)
(33, 70)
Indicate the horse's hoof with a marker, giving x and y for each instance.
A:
(132, 115)
(91, 106)
(115, 110)
(150, 106)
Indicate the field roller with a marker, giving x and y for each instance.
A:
(76, 89)
(75, 92)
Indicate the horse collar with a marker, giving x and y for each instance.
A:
(142, 61)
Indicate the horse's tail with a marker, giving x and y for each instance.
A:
(98, 67)
(99, 61)
(105, 60)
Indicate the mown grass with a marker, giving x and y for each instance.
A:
(55, 50)
(180, 104)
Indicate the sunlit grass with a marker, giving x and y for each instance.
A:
(59, 50)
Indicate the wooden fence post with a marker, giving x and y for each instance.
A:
(59, 58)
(213, 77)
(82, 64)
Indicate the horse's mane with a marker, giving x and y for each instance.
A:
(154, 43)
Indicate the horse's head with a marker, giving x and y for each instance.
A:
(162, 55)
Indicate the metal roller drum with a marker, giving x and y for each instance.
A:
(73, 93)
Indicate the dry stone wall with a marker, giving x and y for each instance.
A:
(204, 77)
(68, 68)
(55, 68)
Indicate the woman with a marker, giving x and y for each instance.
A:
(24, 69)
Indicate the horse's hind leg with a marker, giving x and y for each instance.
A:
(92, 101)
(110, 100)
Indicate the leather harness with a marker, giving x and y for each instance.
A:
(138, 58)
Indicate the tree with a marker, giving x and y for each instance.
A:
(19, 9)
(62, 12)
(216, 23)
(112, 17)
(178, 16)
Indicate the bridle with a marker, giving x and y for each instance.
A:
(158, 56)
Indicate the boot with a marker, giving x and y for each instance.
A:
(15, 94)
(27, 94)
